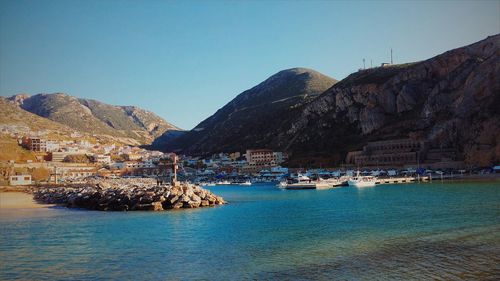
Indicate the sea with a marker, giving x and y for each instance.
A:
(418, 231)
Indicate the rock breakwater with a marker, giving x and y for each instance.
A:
(138, 197)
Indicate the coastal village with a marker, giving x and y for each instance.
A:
(77, 160)
(71, 161)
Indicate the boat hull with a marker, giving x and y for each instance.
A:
(301, 186)
(360, 183)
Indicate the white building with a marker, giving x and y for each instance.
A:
(108, 148)
(20, 180)
(52, 146)
(105, 159)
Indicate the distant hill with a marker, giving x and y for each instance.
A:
(250, 119)
(94, 117)
(13, 115)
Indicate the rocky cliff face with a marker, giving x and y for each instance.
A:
(95, 117)
(451, 100)
(250, 119)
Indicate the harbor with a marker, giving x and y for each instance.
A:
(376, 229)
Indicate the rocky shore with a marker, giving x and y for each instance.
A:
(133, 196)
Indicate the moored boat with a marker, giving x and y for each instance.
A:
(362, 181)
(282, 184)
(223, 183)
(301, 185)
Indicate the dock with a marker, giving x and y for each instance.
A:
(400, 180)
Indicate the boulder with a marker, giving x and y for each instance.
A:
(177, 205)
(157, 206)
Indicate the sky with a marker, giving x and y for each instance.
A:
(184, 60)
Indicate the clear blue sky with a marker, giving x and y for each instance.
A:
(185, 59)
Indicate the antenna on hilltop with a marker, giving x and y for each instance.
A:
(364, 66)
(391, 55)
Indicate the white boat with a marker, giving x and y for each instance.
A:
(302, 182)
(323, 184)
(246, 183)
(301, 185)
(282, 184)
(223, 183)
(362, 181)
(334, 182)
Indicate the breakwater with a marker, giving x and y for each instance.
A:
(107, 196)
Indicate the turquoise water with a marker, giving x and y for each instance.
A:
(402, 232)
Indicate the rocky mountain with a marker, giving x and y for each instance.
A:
(451, 101)
(252, 118)
(94, 117)
(13, 115)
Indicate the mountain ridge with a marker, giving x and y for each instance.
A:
(251, 113)
(95, 117)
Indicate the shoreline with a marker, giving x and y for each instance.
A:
(11, 200)
(22, 197)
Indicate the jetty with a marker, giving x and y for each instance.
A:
(400, 180)
(128, 195)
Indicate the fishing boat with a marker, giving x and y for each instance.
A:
(300, 182)
(301, 185)
(322, 184)
(331, 183)
(362, 181)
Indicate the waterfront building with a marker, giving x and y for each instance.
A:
(71, 171)
(393, 153)
(402, 153)
(264, 157)
(258, 159)
(20, 180)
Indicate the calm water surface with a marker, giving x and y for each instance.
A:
(444, 231)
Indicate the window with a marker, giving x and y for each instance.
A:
(26, 178)
(14, 178)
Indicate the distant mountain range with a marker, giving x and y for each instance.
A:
(127, 123)
(451, 100)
